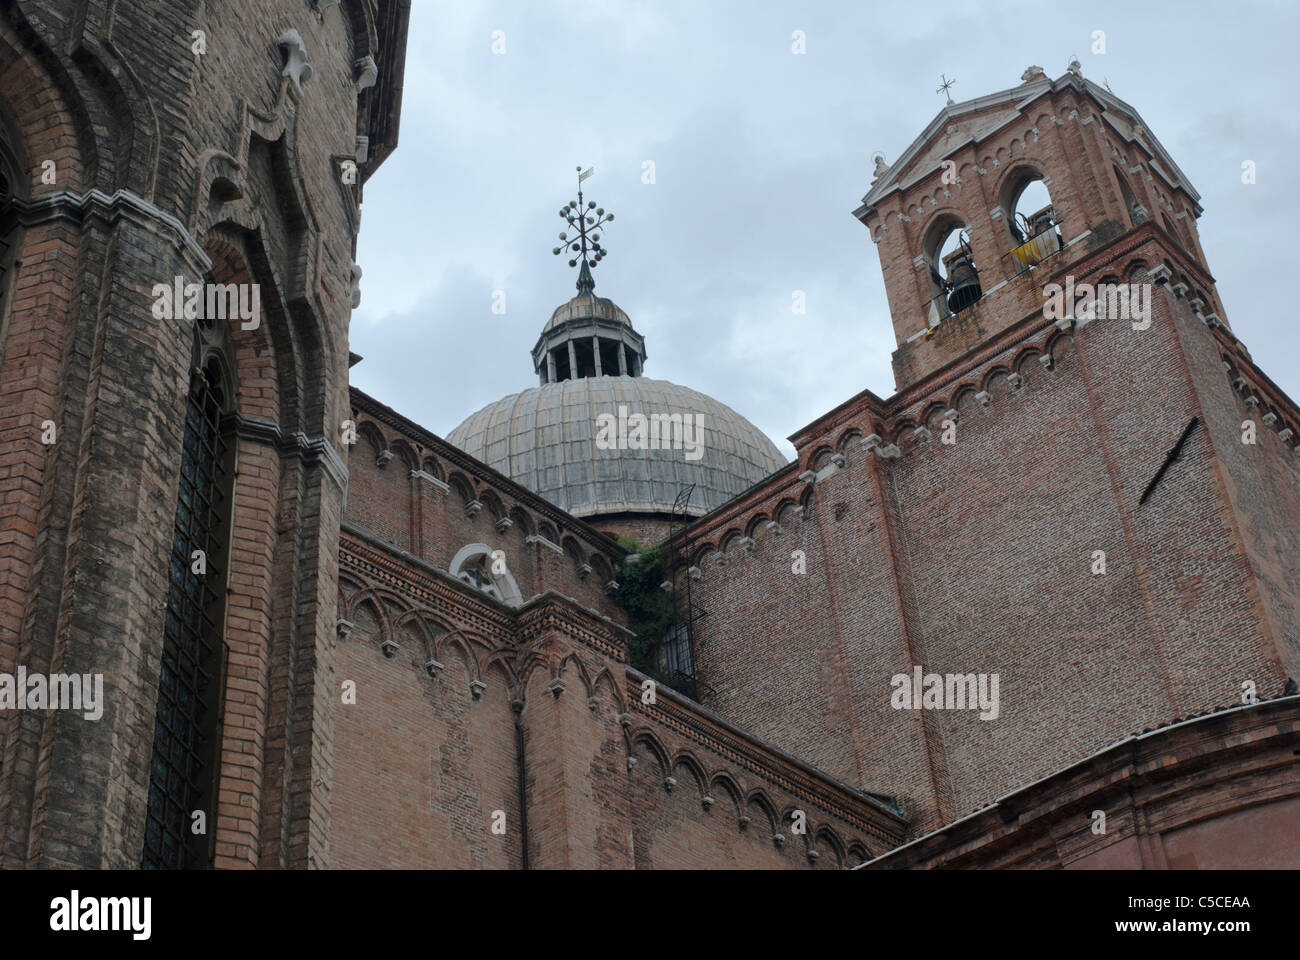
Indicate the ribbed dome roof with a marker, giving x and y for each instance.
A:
(544, 438)
(587, 306)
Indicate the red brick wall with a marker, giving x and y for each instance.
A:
(420, 765)
(991, 540)
(433, 519)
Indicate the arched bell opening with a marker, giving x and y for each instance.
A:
(950, 266)
(1136, 212)
(1030, 219)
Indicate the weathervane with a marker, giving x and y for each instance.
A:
(586, 244)
(945, 86)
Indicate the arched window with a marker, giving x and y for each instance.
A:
(954, 279)
(478, 574)
(10, 188)
(1030, 218)
(1136, 212)
(1171, 229)
(485, 569)
(184, 762)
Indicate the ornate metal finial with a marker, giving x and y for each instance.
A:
(586, 245)
(945, 86)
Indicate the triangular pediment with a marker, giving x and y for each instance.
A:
(976, 120)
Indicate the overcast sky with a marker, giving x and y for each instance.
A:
(760, 155)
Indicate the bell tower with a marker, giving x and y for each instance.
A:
(1002, 194)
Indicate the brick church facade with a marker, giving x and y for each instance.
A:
(331, 639)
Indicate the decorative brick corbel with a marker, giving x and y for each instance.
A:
(808, 477)
(584, 571)
(922, 434)
(611, 588)
(473, 508)
(707, 802)
(1269, 418)
(1197, 304)
(747, 544)
(432, 667)
(773, 528)
(476, 688)
(345, 628)
(669, 783)
(1180, 290)
(1046, 360)
(1212, 320)
(1285, 434)
(631, 762)
(383, 458)
(1015, 380)
(504, 524)
(778, 839)
(557, 686)
(694, 572)
(890, 452)
(984, 397)
(389, 646)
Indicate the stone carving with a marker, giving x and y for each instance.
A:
(367, 73)
(296, 67)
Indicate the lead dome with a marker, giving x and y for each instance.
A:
(589, 361)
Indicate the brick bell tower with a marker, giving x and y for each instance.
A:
(1000, 194)
(172, 468)
(1154, 441)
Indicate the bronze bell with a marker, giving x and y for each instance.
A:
(963, 281)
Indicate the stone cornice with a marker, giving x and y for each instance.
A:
(554, 611)
(308, 448)
(380, 562)
(121, 205)
(868, 812)
(383, 563)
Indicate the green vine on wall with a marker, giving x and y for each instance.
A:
(648, 606)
